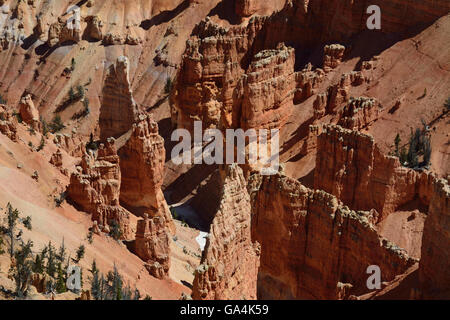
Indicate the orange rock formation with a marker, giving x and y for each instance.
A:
(119, 110)
(142, 167)
(152, 245)
(434, 269)
(95, 187)
(350, 166)
(229, 265)
(312, 247)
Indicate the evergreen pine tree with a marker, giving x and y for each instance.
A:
(38, 265)
(51, 266)
(95, 287)
(427, 152)
(80, 253)
(21, 271)
(103, 288)
(10, 231)
(72, 95)
(61, 256)
(61, 280)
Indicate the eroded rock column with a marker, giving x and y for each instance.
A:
(142, 166)
(118, 110)
(229, 264)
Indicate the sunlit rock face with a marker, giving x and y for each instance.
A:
(312, 247)
(118, 111)
(95, 188)
(152, 245)
(230, 261)
(350, 166)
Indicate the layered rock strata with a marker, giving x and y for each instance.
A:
(64, 30)
(95, 187)
(359, 113)
(216, 58)
(142, 168)
(434, 268)
(333, 55)
(306, 83)
(312, 247)
(350, 166)
(334, 21)
(230, 261)
(8, 123)
(118, 111)
(209, 74)
(268, 89)
(152, 245)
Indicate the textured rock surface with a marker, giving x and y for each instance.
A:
(63, 31)
(336, 20)
(119, 110)
(223, 83)
(333, 55)
(217, 88)
(210, 73)
(72, 144)
(338, 94)
(245, 8)
(94, 28)
(217, 57)
(434, 269)
(152, 245)
(311, 246)
(142, 168)
(57, 159)
(307, 81)
(28, 112)
(268, 89)
(359, 113)
(95, 187)
(350, 166)
(230, 261)
(8, 122)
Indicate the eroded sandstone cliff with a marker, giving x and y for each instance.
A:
(434, 269)
(152, 245)
(119, 110)
(142, 167)
(209, 73)
(350, 166)
(312, 247)
(216, 57)
(95, 187)
(268, 89)
(230, 261)
(8, 122)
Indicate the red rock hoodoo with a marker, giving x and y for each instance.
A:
(142, 167)
(152, 245)
(95, 187)
(268, 89)
(29, 113)
(230, 261)
(119, 110)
